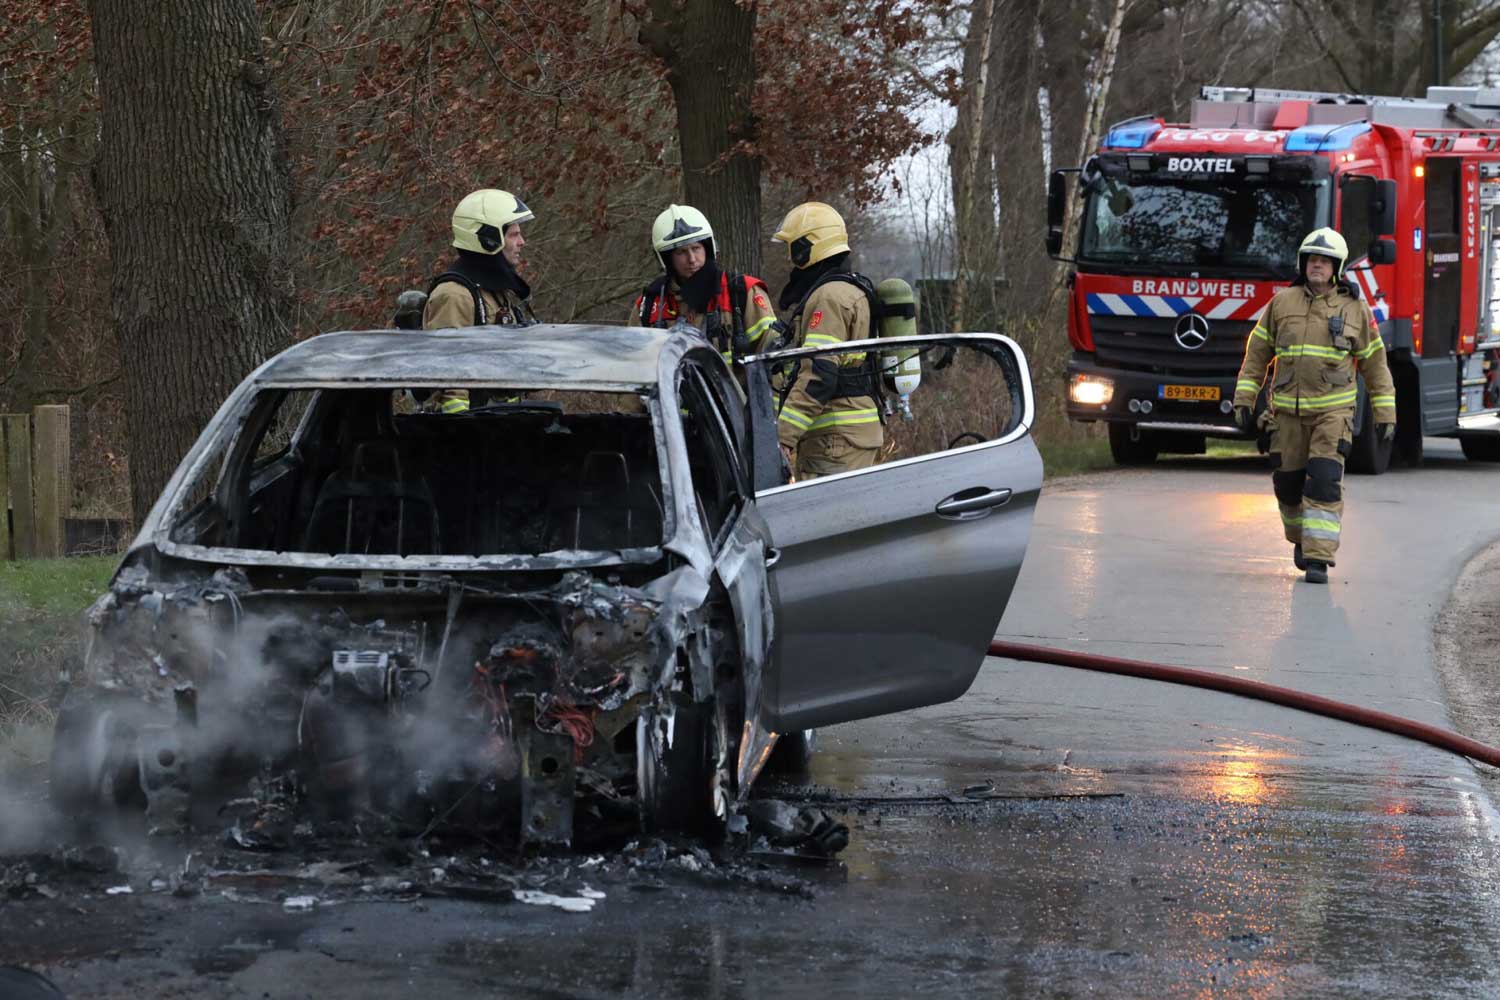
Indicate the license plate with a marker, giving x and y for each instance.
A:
(1197, 393)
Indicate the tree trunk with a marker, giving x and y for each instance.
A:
(1099, 81)
(973, 207)
(708, 47)
(193, 187)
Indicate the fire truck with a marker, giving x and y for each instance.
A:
(1188, 230)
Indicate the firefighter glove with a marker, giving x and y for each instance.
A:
(1386, 432)
(1244, 418)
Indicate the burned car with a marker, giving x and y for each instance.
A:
(590, 595)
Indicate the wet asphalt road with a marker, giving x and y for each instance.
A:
(1160, 842)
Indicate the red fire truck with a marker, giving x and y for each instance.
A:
(1189, 230)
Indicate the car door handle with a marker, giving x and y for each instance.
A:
(972, 503)
(773, 556)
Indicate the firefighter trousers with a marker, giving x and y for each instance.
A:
(1307, 456)
(826, 454)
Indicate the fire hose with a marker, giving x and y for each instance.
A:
(1443, 739)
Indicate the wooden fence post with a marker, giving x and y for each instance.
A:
(18, 474)
(4, 499)
(51, 455)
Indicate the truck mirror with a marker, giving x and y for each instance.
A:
(1382, 251)
(1057, 206)
(1383, 208)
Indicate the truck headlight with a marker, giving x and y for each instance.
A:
(1090, 390)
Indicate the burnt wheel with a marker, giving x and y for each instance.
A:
(675, 771)
(93, 761)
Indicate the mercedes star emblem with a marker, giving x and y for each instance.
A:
(1191, 332)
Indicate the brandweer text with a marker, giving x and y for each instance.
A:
(1227, 289)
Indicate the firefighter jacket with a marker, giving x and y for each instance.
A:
(1319, 343)
(658, 306)
(452, 304)
(825, 399)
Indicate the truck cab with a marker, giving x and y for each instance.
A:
(1185, 233)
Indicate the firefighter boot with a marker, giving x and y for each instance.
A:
(1317, 572)
(1297, 559)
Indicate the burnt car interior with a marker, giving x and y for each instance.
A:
(512, 475)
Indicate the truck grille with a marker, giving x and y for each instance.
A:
(1145, 344)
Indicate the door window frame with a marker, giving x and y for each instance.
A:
(1013, 366)
(692, 370)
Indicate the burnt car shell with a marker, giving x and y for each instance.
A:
(495, 689)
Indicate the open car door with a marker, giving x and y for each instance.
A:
(889, 582)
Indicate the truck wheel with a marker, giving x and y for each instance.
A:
(1481, 448)
(1369, 456)
(1130, 445)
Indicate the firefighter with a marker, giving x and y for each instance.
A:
(482, 286)
(1321, 336)
(829, 421)
(733, 309)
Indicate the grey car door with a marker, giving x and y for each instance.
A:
(888, 583)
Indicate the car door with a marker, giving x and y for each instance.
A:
(708, 407)
(888, 582)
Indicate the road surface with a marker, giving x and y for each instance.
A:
(1143, 839)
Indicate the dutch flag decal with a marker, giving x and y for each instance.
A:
(1369, 288)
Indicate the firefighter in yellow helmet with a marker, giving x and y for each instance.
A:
(733, 310)
(481, 286)
(1321, 336)
(829, 420)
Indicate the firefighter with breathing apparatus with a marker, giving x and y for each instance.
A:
(732, 310)
(482, 286)
(1321, 337)
(830, 417)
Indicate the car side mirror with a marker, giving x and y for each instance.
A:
(1382, 251)
(1057, 206)
(1383, 210)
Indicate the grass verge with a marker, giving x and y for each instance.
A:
(41, 604)
(1069, 458)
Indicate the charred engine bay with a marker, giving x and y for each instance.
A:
(418, 703)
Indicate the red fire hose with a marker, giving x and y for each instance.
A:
(1384, 721)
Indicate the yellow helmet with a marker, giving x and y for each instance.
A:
(1326, 243)
(480, 219)
(680, 225)
(812, 232)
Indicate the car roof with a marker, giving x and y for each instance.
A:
(549, 355)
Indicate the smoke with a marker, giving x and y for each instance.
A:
(240, 686)
(27, 821)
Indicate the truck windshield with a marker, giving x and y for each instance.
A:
(1240, 223)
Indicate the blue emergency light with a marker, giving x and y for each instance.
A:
(1132, 135)
(1324, 138)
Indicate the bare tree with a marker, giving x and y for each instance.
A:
(973, 180)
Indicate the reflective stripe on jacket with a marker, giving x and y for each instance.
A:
(658, 306)
(836, 312)
(451, 305)
(1319, 343)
